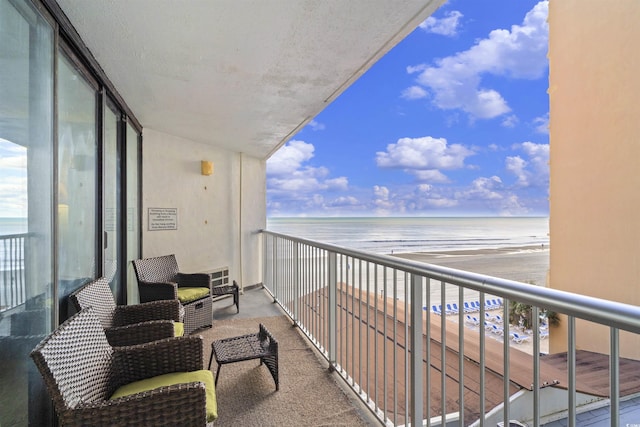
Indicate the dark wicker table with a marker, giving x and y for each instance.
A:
(247, 347)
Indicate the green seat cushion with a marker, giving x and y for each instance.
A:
(178, 329)
(204, 376)
(186, 295)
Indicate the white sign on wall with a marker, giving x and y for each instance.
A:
(163, 219)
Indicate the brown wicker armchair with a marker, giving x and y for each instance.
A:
(82, 372)
(160, 279)
(129, 324)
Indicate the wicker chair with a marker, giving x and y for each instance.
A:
(128, 324)
(82, 371)
(159, 279)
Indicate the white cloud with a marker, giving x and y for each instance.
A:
(14, 162)
(512, 206)
(447, 26)
(483, 188)
(510, 121)
(455, 81)
(295, 186)
(13, 196)
(381, 192)
(542, 124)
(13, 179)
(314, 125)
(382, 202)
(340, 183)
(289, 158)
(424, 157)
(426, 196)
(441, 202)
(416, 68)
(423, 153)
(517, 166)
(414, 92)
(433, 176)
(533, 170)
(344, 201)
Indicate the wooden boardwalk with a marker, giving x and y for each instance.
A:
(592, 371)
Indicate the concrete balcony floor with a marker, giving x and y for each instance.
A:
(309, 394)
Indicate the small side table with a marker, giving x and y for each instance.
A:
(247, 347)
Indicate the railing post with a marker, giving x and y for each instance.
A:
(296, 282)
(571, 370)
(416, 350)
(614, 380)
(332, 284)
(265, 258)
(275, 270)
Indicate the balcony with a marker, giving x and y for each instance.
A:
(355, 312)
(366, 316)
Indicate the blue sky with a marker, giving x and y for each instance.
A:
(452, 121)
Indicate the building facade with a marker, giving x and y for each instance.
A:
(594, 144)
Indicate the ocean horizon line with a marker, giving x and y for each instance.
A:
(404, 216)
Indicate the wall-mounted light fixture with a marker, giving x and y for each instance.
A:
(206, 167)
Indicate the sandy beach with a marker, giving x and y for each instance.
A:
(528, 264)
(524, 264)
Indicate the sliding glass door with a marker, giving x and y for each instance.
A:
(77, 180)
(26, 198)
(69, 194)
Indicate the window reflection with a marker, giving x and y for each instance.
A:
(77, 151)
(26, 165)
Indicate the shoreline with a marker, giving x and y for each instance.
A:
(479, 251)
(527, 264)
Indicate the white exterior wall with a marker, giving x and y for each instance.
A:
(254, 218)
(211, 231)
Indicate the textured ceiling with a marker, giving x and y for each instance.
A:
(244, 75)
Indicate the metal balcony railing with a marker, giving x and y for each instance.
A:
(367, 314)
(12, 274)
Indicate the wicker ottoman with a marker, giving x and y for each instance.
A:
(198, 314)
(247, 347)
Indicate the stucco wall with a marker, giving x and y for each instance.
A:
(253, 215)
(595, 151)
(211, 231)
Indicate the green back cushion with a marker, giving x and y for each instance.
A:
(186, 295)
(203, 376)
(178, 329)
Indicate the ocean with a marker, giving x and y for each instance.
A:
(418, 234)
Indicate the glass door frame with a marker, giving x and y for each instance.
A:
(123, 145)
(119, 234)
(66, 50)
(133, 125)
